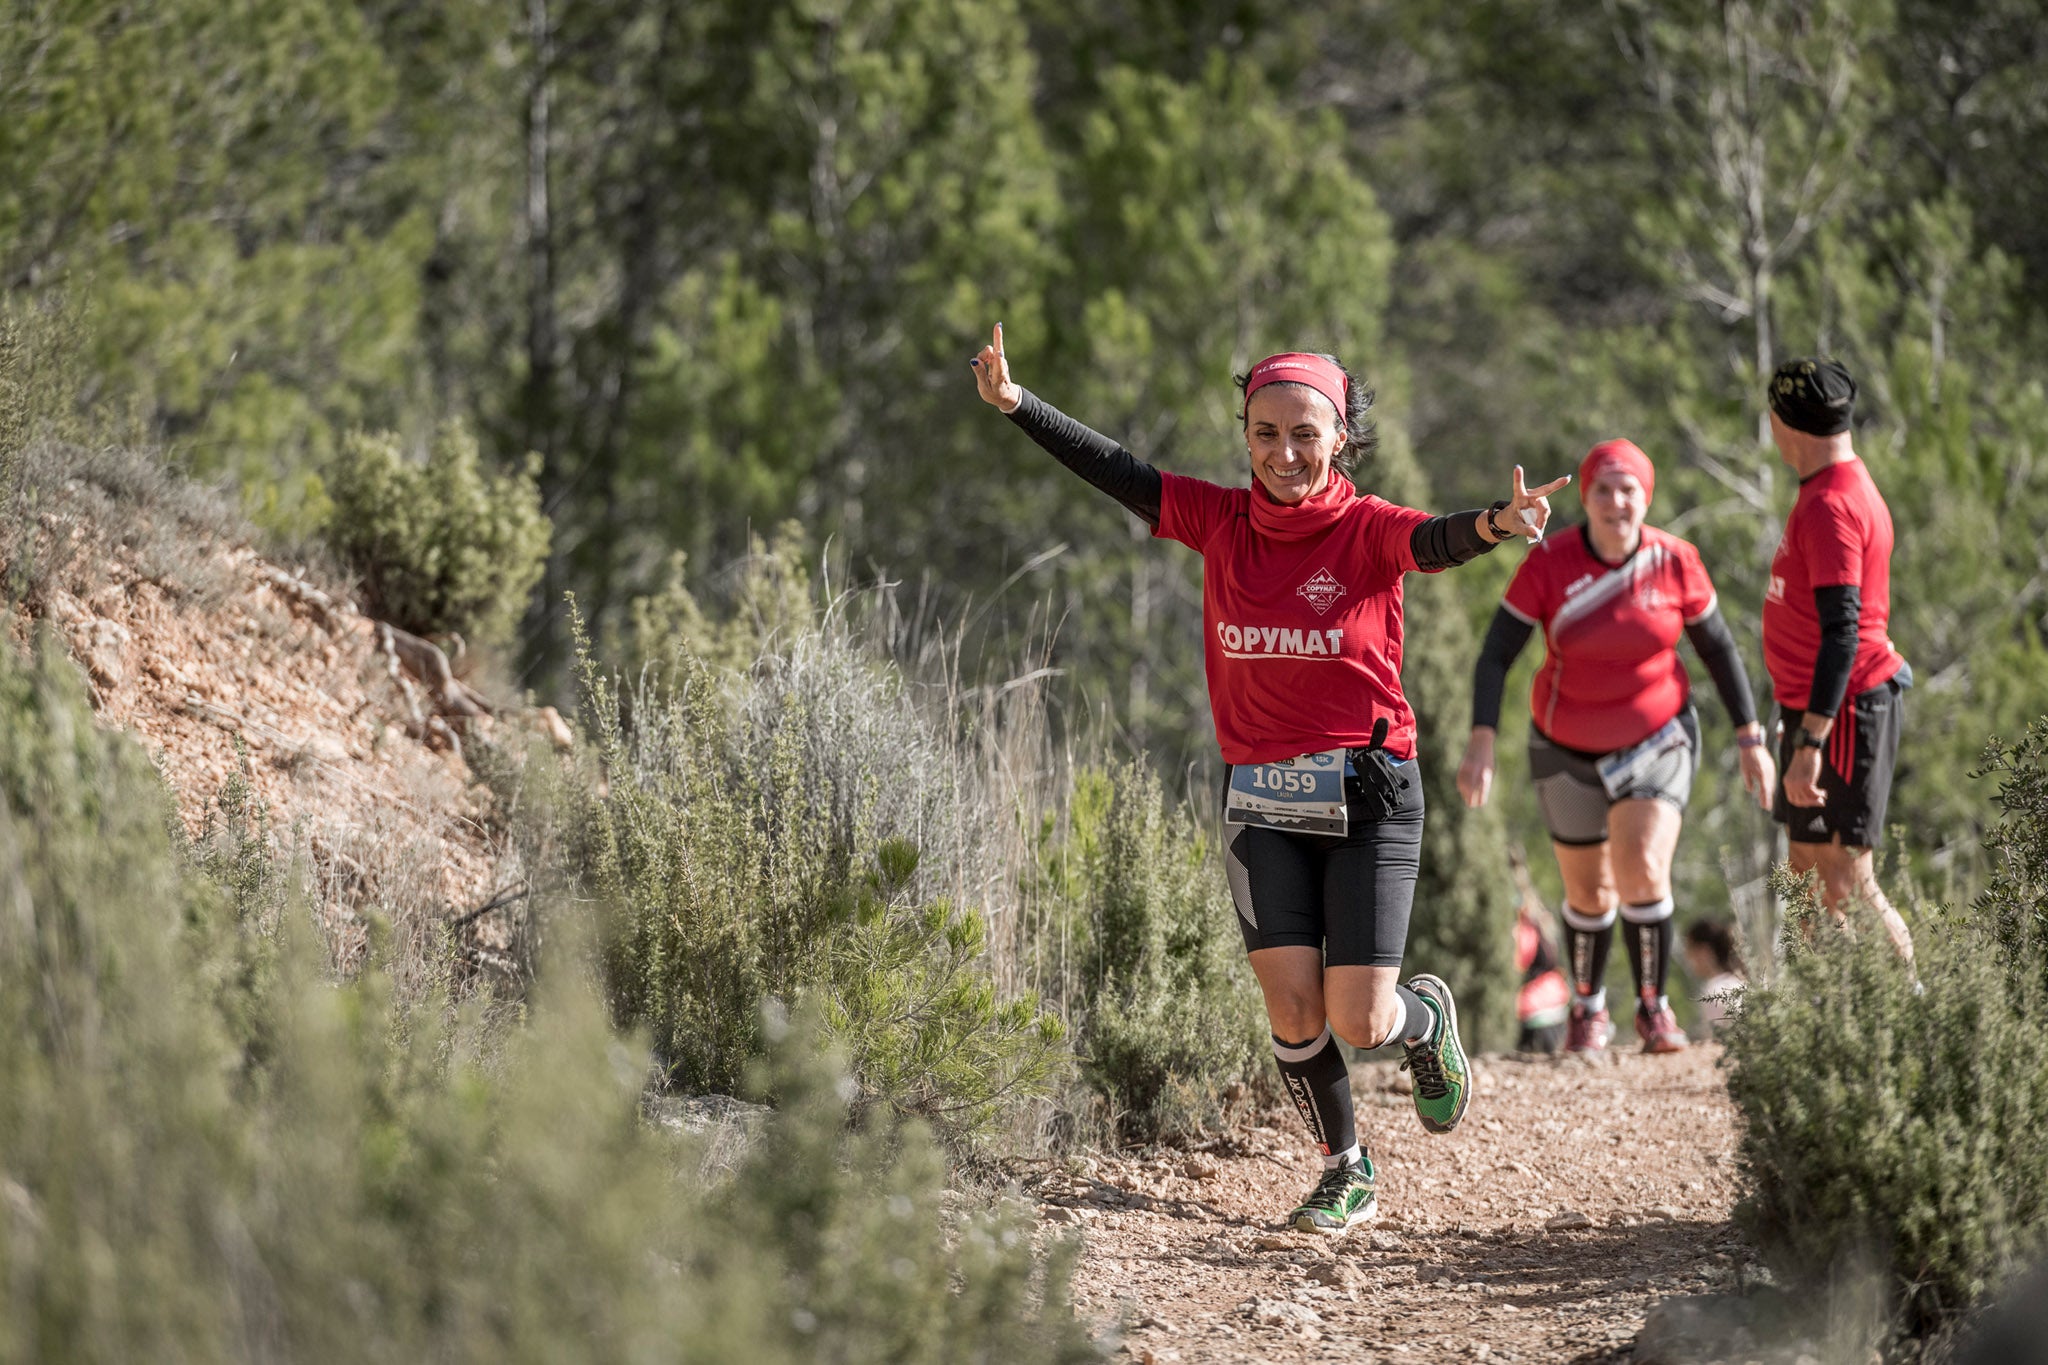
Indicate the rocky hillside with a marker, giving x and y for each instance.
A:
(349, 735)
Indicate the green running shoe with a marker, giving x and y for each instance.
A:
(1343, 1196)
(1443, 1079)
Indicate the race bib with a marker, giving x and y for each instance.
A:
(1302, 795)
(1620, 769)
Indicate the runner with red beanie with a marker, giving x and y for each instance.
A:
(1839, 682)
(1613, 740)
(1301, 609)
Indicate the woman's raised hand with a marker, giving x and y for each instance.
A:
(1528, 512)
(992, 375)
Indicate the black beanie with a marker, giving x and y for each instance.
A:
(1813, 396)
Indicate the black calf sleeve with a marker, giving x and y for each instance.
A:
(1588, 939)
(1320, 1084)
(1650, 936)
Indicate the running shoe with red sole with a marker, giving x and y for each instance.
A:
(1659, 1030)
(1588, 1032)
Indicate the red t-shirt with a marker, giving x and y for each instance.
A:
(1302, 637)
(1611, 674)
(1839, 534)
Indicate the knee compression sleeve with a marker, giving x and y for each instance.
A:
(1588, 939)
(1319, 1083)
(1649, 947)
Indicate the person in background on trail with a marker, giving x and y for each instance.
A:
(1711, 958)
(1302, 624)
(1544, 1003)
(1840, 684)
(1614, 741)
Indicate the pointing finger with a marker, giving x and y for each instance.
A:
(999, 338)
(1550, 487)
(1521, 490)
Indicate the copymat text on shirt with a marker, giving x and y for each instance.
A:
(1261, 642)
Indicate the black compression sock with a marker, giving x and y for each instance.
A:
(1650, 934)
(1319, 1083)
(1588, 939)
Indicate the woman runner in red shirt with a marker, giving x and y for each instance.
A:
(1301, 607)
(1614, 741)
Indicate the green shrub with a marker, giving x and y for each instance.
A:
(2013, 908)
(1169, 1016)
(769, 599)
(792, 826)
(441, 546)
(1886, 1125)
(358, 1190)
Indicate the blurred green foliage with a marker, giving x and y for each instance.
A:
(441, 546)
(211, 1151)
(1897, 1125)
(1170, 1022)
(758, 815)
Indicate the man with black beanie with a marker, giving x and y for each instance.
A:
(1839, 681)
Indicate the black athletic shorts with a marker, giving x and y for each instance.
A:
(1856, 770)
(1351, 897)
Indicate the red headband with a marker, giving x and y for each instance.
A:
(1296, 367)
(1625, 456)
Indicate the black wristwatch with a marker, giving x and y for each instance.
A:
(1807, 739)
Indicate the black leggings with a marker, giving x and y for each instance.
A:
(1351, 897)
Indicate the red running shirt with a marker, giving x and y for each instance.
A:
(1303, 636)
(1839, 534)
(1611, 674)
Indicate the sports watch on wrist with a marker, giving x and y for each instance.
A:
(1807, 739)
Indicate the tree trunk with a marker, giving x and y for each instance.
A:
(545, 644)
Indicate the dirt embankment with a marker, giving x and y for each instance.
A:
(251, 674)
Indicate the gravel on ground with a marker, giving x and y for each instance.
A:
(1576, 1194)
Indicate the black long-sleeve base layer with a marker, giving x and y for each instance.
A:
(1438, 543)
(1841, 612)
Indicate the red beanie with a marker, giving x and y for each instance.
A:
(1624, 456)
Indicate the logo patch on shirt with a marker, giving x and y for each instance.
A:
(1322, 591)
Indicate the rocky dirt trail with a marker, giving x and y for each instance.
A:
(1575, 1195)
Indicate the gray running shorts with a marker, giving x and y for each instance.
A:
(1574, 800)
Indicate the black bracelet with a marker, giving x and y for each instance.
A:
(1493, 520)
(1807, 739)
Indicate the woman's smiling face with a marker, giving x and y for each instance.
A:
(1293, 435)
(1616, 504)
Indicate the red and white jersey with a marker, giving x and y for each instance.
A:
(1303, 635)
(1839, 534)
(1611, 675)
